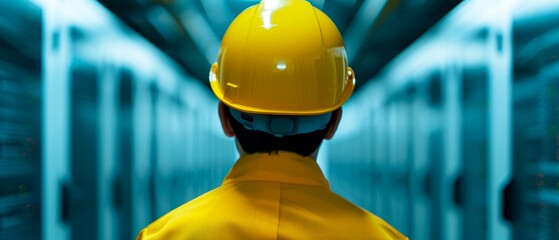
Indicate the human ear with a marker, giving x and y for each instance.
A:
(336, 117)
(225, 123)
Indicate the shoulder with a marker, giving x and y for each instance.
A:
(325, 213)
(366, 222)
(218, 209)
(181, 222)
(384, 229)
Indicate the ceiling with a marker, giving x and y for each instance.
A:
(190, 31)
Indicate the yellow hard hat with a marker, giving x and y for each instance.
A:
(282, 57)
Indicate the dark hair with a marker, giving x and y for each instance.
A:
(263, 142)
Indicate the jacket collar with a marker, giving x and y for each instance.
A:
(283, 167)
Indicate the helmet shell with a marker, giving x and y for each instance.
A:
(282, 57)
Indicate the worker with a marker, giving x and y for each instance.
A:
(281, 78)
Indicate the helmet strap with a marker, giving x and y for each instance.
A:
(281, 125)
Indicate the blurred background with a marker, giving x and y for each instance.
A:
(107, 121)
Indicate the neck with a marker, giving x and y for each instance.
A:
(243, 153)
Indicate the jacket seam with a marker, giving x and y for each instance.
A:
(279, 209)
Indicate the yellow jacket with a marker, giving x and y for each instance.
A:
(271, 196)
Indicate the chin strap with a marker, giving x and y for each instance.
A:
(280, 125)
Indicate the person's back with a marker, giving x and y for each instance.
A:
(278, 196)
(281, 77)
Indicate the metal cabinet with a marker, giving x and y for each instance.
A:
(85, 149)
(534, 194)
(20, 120)
(533, 197)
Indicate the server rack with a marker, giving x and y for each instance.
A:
(109, 213)
(475, 153)
(398, 159)
(84, 145)
(436, 153)
(20, 120)
(533, 205)
(123, 183)
(379, 150)
(535, 190)
(457, 79)
(20, 152)
(96, 130)
(420, 173)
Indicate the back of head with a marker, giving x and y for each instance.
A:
(282, 69)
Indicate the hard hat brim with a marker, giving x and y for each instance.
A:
(219, 93)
